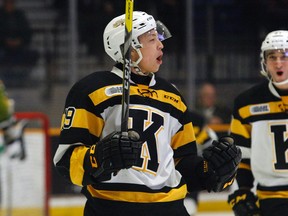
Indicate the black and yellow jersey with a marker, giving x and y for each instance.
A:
(260, 128)
(157, 111)
(203, 133)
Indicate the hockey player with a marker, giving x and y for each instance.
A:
(12, 145)
(260, 127)
(149, 170)
(204, 137)
(12, 128)
(203, 133)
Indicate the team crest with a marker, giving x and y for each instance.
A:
(119, 23)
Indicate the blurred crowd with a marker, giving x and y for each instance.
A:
(249, 20)
(246, 19)
(16, 56)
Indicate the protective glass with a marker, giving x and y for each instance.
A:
(163, 31)
(275, 54)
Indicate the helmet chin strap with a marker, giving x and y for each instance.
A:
(137, 69)
(280, 83)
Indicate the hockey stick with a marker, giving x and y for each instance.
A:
(127, 64)
(126, 74)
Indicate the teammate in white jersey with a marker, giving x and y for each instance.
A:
(260, 127)
(149, 171)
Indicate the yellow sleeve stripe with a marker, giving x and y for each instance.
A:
(202, 136)
(139, 197)
(87, 120)
(182, 137)
(240, 129)
(76, 165)
(244, 166)
(272, 194)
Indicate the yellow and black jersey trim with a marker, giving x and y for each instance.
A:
(200, 128)
(280, 192)
(241, 133)
(202, 136)
(104, 94)
(256, 104)
(135, 193)
(244, 166)
(85, 120)
(76, 165)
(182, 137)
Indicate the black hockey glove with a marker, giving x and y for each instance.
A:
(115, 152)
(243, 203)
(220, 164)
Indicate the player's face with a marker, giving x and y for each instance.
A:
(277, 64)
(151, 52)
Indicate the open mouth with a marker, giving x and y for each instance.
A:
(279, 73)
(159, 59)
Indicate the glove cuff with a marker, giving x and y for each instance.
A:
(206, 174)
(244, 197)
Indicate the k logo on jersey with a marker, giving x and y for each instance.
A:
(281, 146)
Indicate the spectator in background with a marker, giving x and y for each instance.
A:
(93, 17)
(149, 6)
(15, 38)
(209, 106)
(275, 14)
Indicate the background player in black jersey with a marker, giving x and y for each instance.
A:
(149, 170)
(204, 137)
(260, 127)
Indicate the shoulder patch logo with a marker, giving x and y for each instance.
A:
(259, 109)
(113, 90)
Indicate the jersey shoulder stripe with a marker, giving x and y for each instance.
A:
(257, 103)
(255, 95)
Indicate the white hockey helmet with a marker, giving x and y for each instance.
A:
(113, 36)
(275, 40)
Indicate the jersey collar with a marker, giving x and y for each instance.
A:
(273, 90)
(119, 73)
